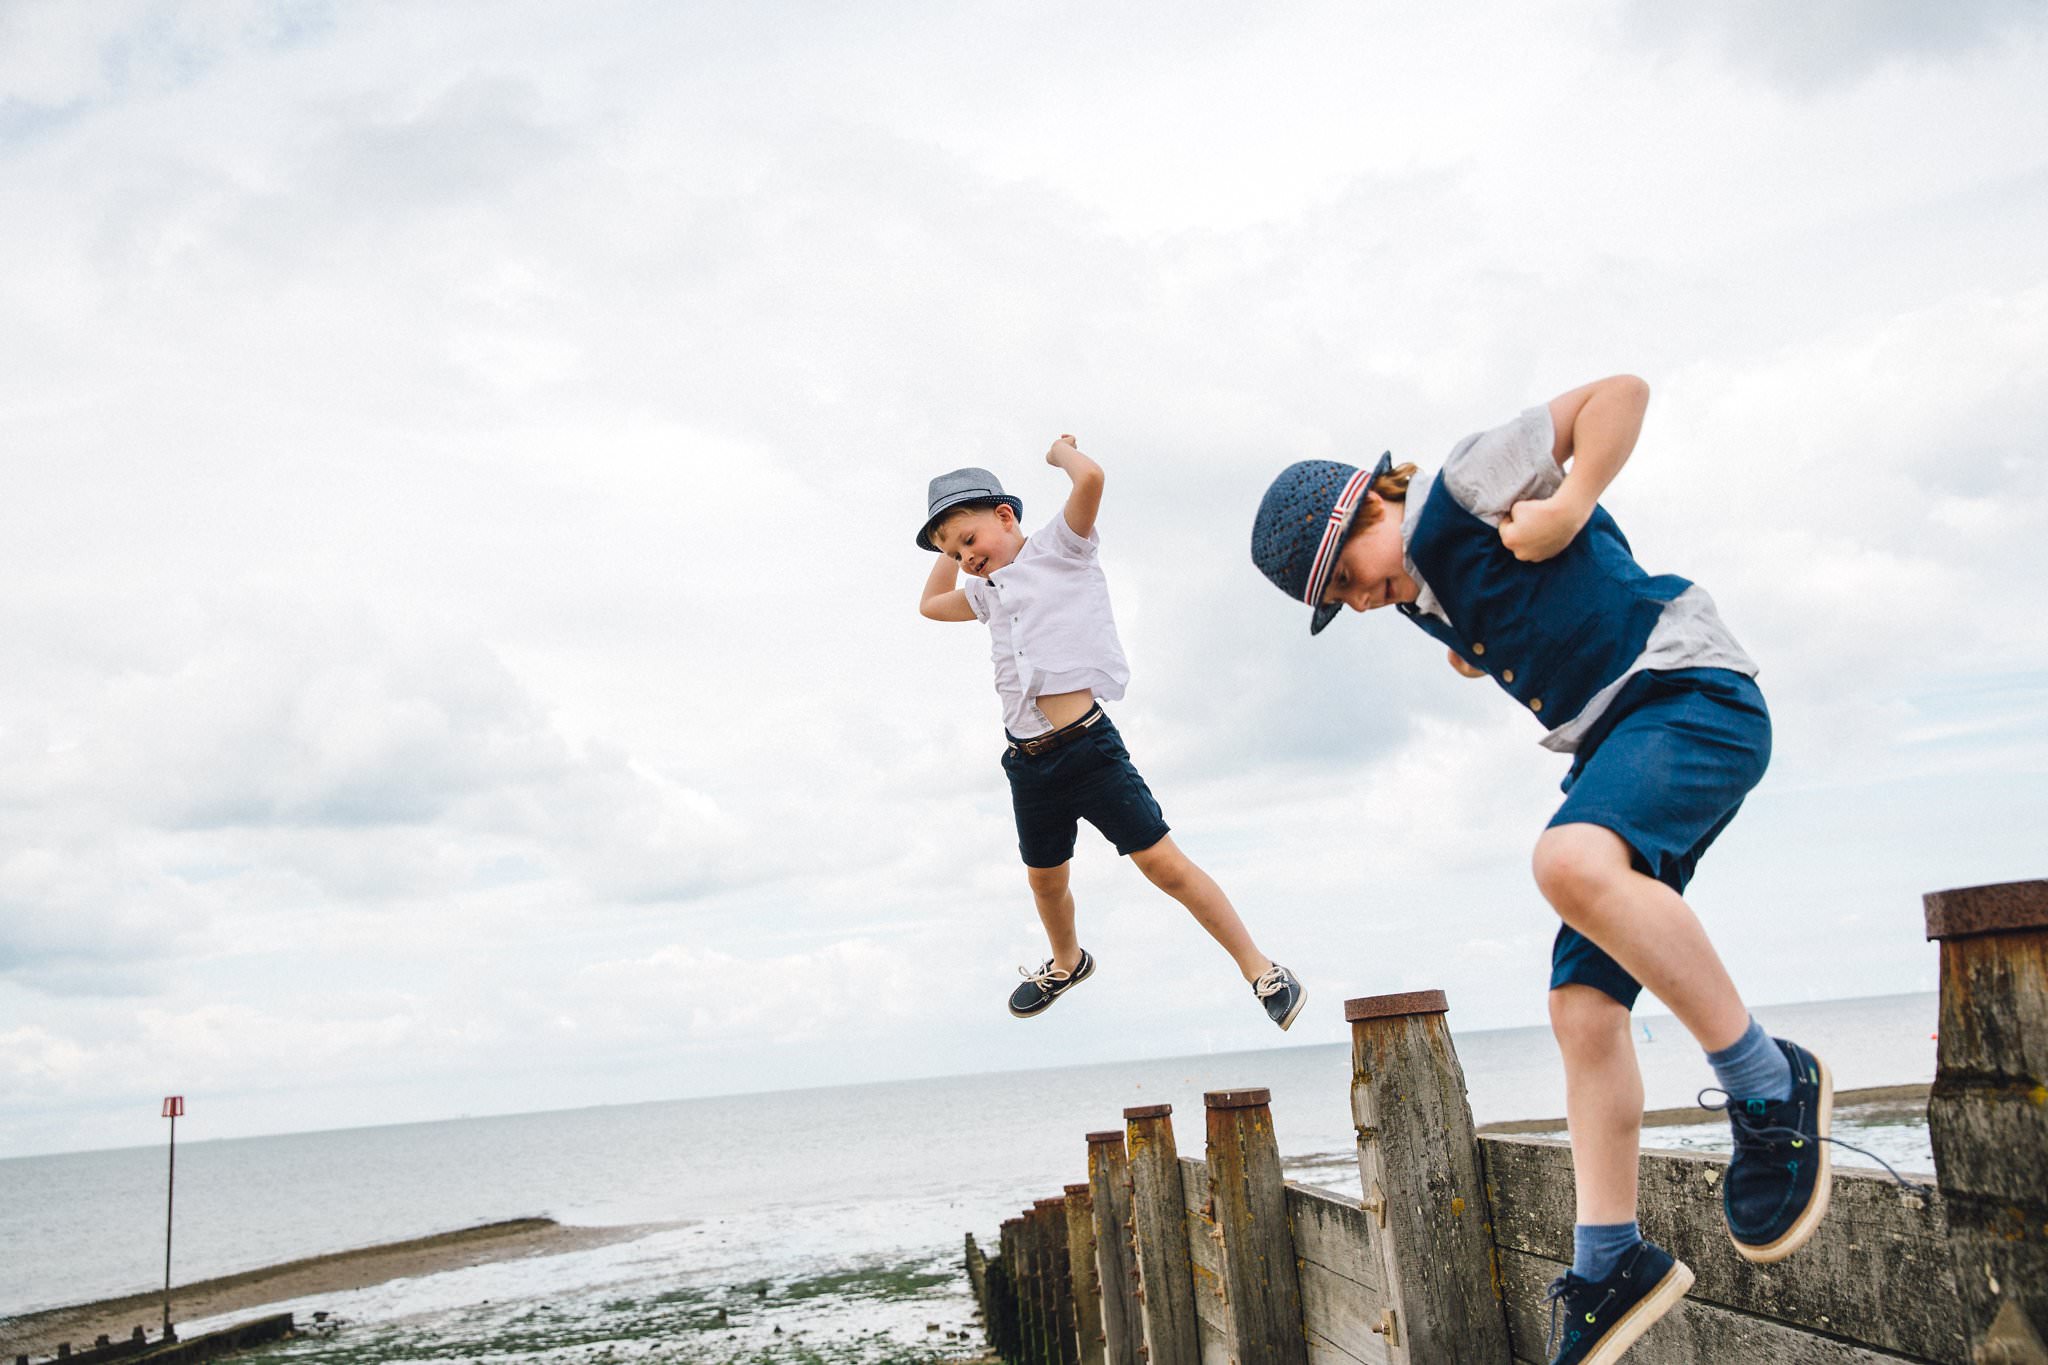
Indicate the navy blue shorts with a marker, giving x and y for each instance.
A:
(1088, 778)
(1666, 768)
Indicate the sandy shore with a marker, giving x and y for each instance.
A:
(37, 1334)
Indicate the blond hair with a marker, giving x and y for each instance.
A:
(959, 510)
(1392, 486)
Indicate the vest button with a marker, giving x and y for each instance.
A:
(1478, 649)
(1507, 675)
(1535, 703)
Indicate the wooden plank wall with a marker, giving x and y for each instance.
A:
(1205, 1255)
(1877, 1276)
(1342, 1289)
(1341, 1294)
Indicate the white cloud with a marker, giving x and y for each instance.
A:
(1832, 42)
(458, 554)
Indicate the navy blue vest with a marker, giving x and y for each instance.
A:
(1551, 634)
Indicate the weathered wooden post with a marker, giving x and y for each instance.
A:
(977, 1275)
(1988, 1113)
(1250, 1196)
(1001, 1320)
(1017, 1280)
(1159, 1224)
(1109, 1189)
(1038, 1343)
(1087, 1278)
(1059, 1281)
(1418, 1165)
(1042, 1221)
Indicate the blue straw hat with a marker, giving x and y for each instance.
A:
(1302, 524)
(968, 487)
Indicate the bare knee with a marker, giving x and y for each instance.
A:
(1048, 883)
(1588, 1021)
(1165, 866)
(1576, 865)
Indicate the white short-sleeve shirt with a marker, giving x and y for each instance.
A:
(1050, 626)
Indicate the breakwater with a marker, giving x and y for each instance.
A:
(1445, 1254)
(174, 1350)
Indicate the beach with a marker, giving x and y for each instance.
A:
(37, 1334)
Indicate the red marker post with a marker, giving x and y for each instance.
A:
(174, 1105)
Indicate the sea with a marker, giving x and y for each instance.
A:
(821, 1225)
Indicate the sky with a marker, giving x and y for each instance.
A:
(462, 463)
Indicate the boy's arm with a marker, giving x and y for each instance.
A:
(942, 601)
(1596, 427)
(1086, 499)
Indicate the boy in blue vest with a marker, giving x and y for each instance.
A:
(1053, 640)
(1506, 558)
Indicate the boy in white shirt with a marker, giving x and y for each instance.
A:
(1046, 604)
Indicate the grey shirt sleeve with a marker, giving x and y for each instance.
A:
(1492, 471)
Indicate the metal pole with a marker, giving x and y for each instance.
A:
(170, 1192)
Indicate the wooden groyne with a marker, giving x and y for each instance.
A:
(1444, 1256)
(173, 1350)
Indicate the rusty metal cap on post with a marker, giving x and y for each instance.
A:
(1058, 1201)
(1237, 1099)
(1392, 1006)
(1076, 1191)
(2003, 907)
(1149, 1111)
(1115, 1135)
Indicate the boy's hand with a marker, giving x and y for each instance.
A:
(1539, 528)
(1061, 448)
(1465, 668)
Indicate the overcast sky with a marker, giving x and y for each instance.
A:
(461, 465)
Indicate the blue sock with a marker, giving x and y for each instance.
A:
(1752, 1067)
(1597, 1248)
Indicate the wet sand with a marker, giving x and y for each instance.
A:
(37, 1334)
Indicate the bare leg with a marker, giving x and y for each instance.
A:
(1171, 870)
(1584, 872)
(1056, 912)
(1603, 1100)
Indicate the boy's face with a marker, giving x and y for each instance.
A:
(1370, 572)
(982, 539)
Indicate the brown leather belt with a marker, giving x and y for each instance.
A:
(1053, 739)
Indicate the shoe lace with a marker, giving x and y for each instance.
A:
(1271, 982)
(1752, 1134)
(1560, 1289)
(1044, 976)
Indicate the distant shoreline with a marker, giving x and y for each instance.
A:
(38, 1333)
(1870, 1104)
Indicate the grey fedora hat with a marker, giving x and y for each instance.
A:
(968, 487)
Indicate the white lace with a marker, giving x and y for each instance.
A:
(1044, 976)
(1272, 981)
